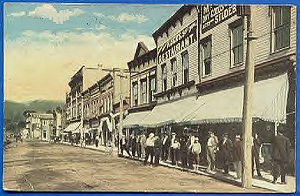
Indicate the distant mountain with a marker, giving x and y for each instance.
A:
(13, 111)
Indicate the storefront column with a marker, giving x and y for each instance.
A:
(147, 89)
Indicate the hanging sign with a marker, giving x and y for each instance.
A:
(212, 15)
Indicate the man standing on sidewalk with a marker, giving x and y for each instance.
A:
(211, 150)
(280, 155)
(149, 148)
(237, 156)
(226, 150)
(166, 142)
(255, 154)
(172, 148)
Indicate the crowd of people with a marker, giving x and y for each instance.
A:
(185, 151)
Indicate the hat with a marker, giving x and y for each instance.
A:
(225, 134)
(151, 135)
(173, 133)
(238, 136)
(196, 139)
(185, 128)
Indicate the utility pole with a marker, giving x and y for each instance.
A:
(248, 99)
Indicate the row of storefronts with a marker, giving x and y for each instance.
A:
(200, 72)
(92, 106)
(193, 80)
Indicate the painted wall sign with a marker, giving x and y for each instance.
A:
(177, 43)
(212, 15)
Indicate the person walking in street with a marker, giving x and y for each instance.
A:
(143, 145)
(196, 150)
(123, 145)
(166, 142)
(211, 150)
(149, 148)
(172, 148)
(255, 154)
(226, 150)
(237, 156)
(183, 152)
(157, 149)
(280, 155)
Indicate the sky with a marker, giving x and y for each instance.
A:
(45, 44)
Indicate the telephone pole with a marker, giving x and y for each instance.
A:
(248, 99)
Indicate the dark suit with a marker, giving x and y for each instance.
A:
(157, 149)
(280, 155)
(165, 149)
(226, 153)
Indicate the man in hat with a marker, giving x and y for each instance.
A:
(149, 148)
(237, 156)
(123, 145)
(172, 148)
(166, 142)
(255, 154)
(225, 147)
(280, 155)
(211, 150)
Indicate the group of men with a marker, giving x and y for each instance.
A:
(187, 150)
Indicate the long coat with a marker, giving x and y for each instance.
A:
(237, 152)
(280, 148)
(226, 150)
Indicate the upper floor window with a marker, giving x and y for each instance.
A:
(174, 72)
(237, 49)
(206, 51)
(135, 94)
(281, 27)
(164, 77)
(185, 66)
(152, 89)
(143, 91)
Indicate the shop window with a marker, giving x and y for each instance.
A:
(237, 46)
(152, 89)
(281, 21)
(143, 91)
(164, 77)
(185, 65)
(206, 51)
(135, 94)
(174, 72)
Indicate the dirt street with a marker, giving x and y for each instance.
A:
(38, 166)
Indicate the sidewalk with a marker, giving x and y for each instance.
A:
(265, 182)
(113, 152)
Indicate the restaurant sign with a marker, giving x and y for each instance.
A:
(212, 15)
(177, 43)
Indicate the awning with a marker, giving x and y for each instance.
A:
(135, 119)
(73, 127)
(169, 113)
(269, 103)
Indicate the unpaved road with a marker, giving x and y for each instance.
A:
(38, 166)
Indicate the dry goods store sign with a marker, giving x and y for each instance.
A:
(212, 15)
(177, 43)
